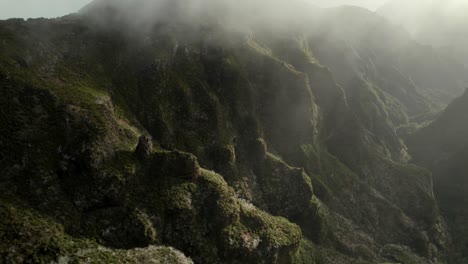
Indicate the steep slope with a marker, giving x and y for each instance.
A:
(442, 146)
(361, 46)
(86, 98)
(43, 241)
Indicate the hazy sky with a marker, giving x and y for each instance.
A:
(56, 8)
(370, 4)
(39, 8)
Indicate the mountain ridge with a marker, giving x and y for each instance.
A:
(259, 153)
(445, 157)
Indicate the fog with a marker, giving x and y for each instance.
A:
(305, 120)
(233, 14)
(434, 23)
(369, 4)
(440, 23)
(418, 15)
(57, 8)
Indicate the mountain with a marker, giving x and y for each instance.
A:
(443, 147)
(419, 76)
(164, 130)
(435, 22)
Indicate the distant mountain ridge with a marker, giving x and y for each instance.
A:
(230, 144)
(436, 22)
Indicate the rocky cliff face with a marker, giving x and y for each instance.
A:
(231, 146)
(442, 147)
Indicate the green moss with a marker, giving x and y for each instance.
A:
(122, 165)
(226, 203)
(306, 253)
(212, 180)
(201, 208)
(277, 231)
(287, 190)
(219, 103)
(179, 197)
(28, 237)
(310, 253)
(400, 254)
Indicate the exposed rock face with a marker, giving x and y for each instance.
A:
(144, 148)
(181, 165)
(257, 109)
(259, 150)
(442, 147)
(286, 190)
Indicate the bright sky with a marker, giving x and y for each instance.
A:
(56, 8)
(370, 4)
(39, 8)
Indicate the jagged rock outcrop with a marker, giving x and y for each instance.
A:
(144, 148)
(261, 157)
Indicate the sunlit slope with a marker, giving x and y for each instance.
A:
(361, 46)
(259, 155)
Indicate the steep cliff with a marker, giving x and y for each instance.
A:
(442, 147)
(230, 145)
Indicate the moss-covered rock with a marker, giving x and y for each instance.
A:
(175, 163)
(196, 212)
(287, 191)
(29, 237)
(400, 254)
(78, 95)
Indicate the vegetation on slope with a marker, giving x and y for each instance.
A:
(309, 174)
(442, 147)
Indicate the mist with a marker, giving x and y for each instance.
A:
(234, 131)
(439, 23)
(237, 15)
(416, 16)
(58, 8)
(369, 4)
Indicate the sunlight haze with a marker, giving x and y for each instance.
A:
(234, 131)
(57, 8)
